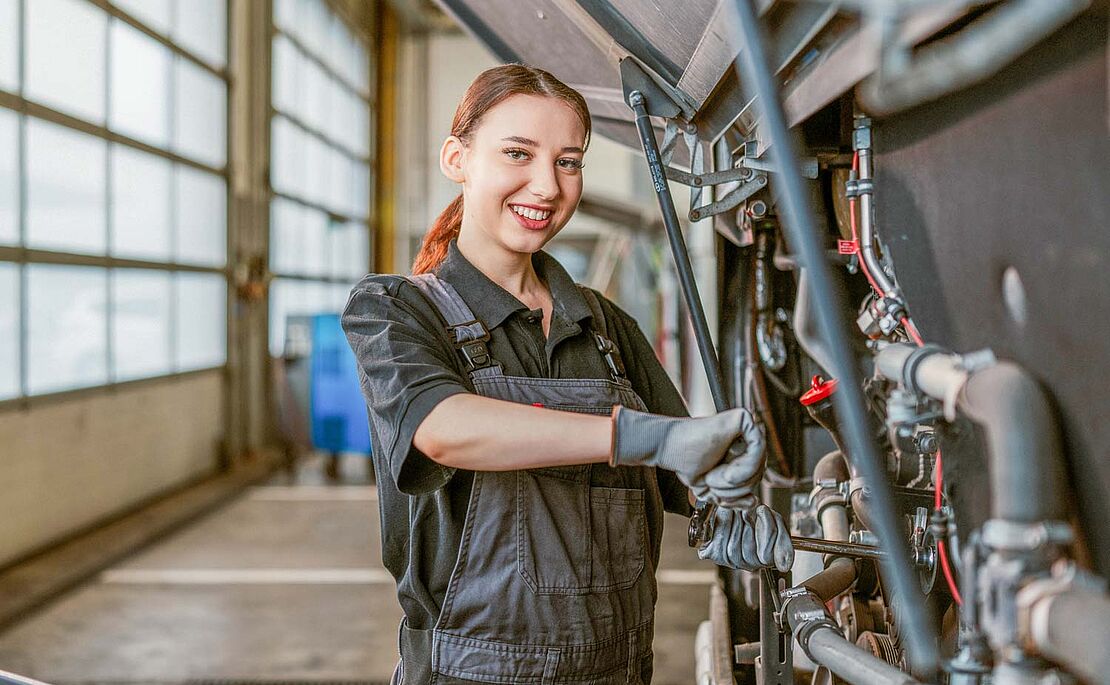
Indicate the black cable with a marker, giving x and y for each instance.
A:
(829, 305)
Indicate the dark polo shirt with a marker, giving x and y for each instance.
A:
(408, 364)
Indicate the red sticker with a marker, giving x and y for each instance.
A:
(847, 247)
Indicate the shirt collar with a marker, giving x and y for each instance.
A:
(492, 304)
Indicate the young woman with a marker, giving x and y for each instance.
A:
(522, 479)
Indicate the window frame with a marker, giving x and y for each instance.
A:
(22, 256)
(368, 98)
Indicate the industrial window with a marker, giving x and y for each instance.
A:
(320, 160)
(113, 191)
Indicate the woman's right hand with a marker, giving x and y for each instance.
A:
(719, 457)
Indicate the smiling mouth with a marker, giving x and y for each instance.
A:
(531, 213)
(532, 218)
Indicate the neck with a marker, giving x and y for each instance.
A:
(513, 271)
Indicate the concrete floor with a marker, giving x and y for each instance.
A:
(283, 584)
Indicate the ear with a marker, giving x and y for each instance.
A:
(452, 159)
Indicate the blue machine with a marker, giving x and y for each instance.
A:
(337, 408)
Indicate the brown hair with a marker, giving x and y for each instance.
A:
(488, 89)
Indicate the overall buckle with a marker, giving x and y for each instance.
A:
(473, 346)
(612, 357)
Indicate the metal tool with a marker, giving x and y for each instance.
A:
(845, 549)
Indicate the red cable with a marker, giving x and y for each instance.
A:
(912, 330)
(855, 235)
(942, 548)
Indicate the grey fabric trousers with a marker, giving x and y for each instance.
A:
(553, 581)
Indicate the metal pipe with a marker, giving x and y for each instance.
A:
(829, 648)
(910, 77)
(1024, 445)
(821, 639)
(829, 472)
(830, 308)
(867, 222)
(1070, 628)
(847, 549)
(834, 580)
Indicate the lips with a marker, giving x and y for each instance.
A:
(532, 224)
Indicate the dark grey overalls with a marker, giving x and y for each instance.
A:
(553, 582)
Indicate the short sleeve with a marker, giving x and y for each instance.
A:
(654, 386)
(406, 367)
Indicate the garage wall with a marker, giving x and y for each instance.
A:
(69, 463)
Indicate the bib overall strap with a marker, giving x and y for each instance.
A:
(600, 332)
(468, 333)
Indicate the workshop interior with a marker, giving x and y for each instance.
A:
(882, 226)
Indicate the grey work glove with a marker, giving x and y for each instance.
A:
(719, 457)
(749, 540)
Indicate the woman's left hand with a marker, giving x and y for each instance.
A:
(749, 539)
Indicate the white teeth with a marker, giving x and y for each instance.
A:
(533, 214)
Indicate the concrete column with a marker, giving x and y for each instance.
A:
(248, 415)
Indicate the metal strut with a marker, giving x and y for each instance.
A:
(701, 524)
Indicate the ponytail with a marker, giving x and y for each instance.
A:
(434, 248)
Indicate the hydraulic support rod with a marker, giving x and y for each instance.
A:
(703, 516)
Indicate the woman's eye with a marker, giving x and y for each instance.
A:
(571, 163)
(515, 153)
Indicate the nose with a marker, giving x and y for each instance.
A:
(544, 184)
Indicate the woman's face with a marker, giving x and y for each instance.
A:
(521, 173)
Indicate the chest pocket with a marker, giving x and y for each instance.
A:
(573, 538)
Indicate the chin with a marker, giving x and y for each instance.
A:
(523, 240)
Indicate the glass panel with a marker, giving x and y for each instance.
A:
(349, 251)
(140, 86)
(140, 323)
(9, 44)
(200, 129)
(157, 14)
(200, 320)
(285, 15)
(290, 297)
(317, 166)
(287, 155)
(314, 255)
(316, 83)
(201, 27)
(286, 236)
(286, 65)
(360, 126)
(140, 205)
(65, 189)
(9, 177)
(313, 17)
(362, 68)
(67, 330)
(9, 330)
(340, 170)
(360, 175)
(201, 227)
(65, 56)
(358, 252)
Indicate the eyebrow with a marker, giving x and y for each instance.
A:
(528, 141)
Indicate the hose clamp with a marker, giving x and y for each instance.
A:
(806, 619)
(1003, 535)
(1034, 601)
